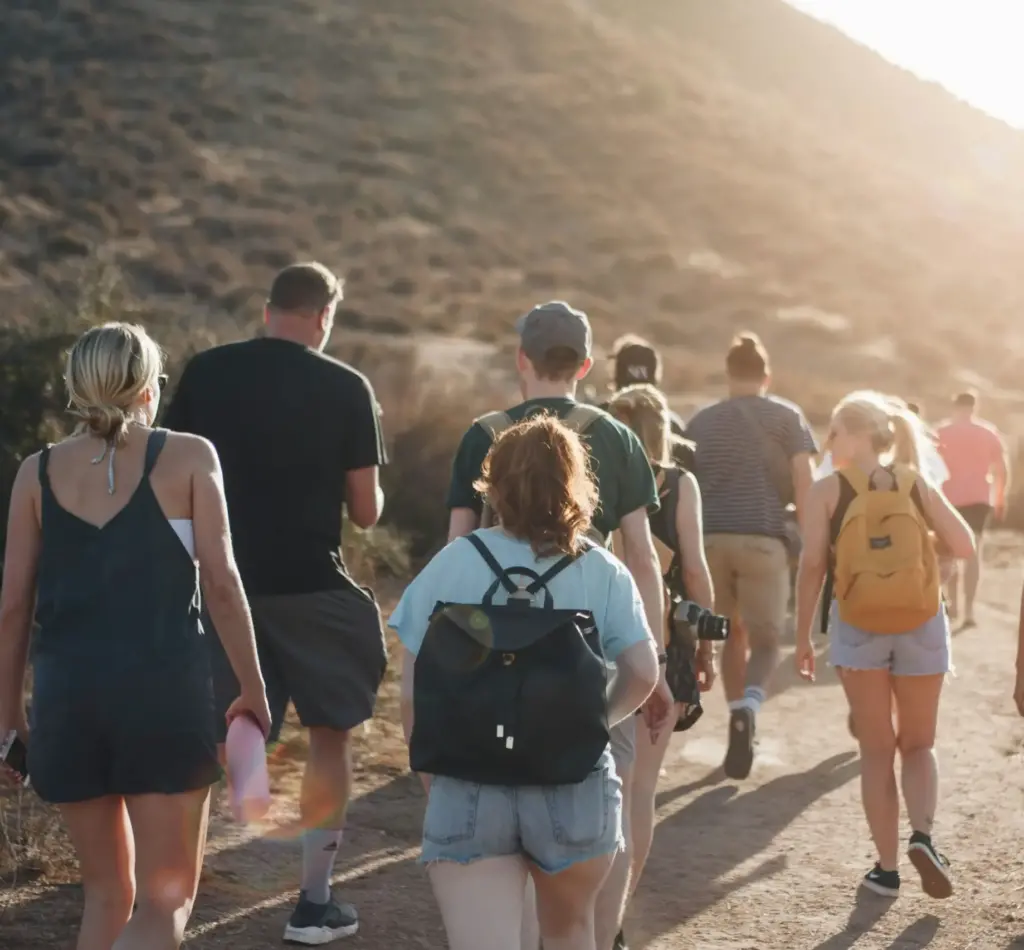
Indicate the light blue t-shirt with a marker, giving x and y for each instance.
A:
(597, 582)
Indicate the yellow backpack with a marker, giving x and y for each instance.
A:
(886, 570)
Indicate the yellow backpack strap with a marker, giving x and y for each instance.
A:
(906, 479)
(859, 482)
(582, 417)
(494, 423)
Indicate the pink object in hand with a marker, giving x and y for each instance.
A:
(246, 755)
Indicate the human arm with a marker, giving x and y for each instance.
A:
(406, 703)
(950, 528)
(812, 568)
(1000, 478)
(801, 447)
(364, 453)
(222, 584)
(641, 560)
(18, 597)
(410, 620)
(627, 641)
(696, 573)
(464, 503)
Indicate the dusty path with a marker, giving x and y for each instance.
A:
(768, 863)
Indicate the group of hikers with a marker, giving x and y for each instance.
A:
(604, 565)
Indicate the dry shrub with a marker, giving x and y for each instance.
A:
(426, 411)
(33, 842)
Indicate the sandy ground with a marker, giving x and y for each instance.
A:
(772, 862)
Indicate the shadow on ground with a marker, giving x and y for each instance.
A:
(247, 890)
(718, 831)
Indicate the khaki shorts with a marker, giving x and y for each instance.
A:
(751, 575)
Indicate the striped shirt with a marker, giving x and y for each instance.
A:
(735, 480)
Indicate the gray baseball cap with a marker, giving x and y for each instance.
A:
(554, 324)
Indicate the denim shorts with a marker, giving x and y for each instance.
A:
(552, 826)
(926, 651)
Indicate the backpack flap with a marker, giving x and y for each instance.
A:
(886, 571)
(508, 628)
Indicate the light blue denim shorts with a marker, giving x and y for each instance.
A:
(552, 826)
(926, 651)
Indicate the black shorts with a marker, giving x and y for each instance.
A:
(977, 517)
(324, 652)
(143, 732)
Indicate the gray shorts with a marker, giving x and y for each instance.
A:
(926, 651)
(554, 827)
(325, 652)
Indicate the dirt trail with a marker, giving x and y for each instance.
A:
(768, 863)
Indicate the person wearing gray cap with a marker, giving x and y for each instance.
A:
(555, 353)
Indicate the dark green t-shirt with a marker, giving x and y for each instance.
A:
(624, 478)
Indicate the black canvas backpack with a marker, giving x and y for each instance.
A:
(510, 694)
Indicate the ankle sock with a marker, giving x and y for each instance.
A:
(319, 849)
(753, 698)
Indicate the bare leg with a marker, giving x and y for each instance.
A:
(566, 904)
(972, 574)
(869, 693)
(646, 771)
(327, 782)
(102, 839)
(481, 903)
(917, 702)
(170, 833)
(611, 900)
(530, 928)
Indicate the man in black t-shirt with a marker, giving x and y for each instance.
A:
(299, 438)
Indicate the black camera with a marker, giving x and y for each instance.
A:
(705, 624)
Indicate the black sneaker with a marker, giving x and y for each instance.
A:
(315, 924)
(620, 942)
(739, 758)
(933, 867)
(886, 883)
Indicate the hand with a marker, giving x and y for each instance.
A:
(804, 657)
(1018, 691)
(659, 708)
(707, 669)
(254, 703)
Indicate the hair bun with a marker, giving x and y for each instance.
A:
(105, 422)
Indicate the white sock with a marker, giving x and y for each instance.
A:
(754, 697)
(735, 704)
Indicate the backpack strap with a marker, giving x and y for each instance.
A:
(856, 478)
(494, 423)
(906, 480)
(560, 565)
(492, 563)
(582, 417)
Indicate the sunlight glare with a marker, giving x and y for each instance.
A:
(972, 47)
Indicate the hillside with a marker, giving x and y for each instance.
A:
(682, 168)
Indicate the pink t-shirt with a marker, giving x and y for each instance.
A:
(970, 449)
